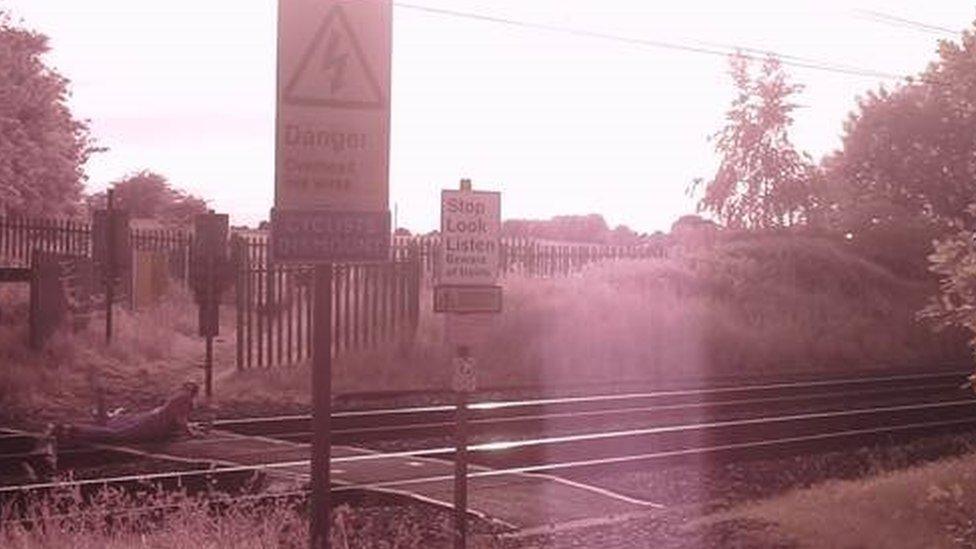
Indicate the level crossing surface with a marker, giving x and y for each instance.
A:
(517, 500)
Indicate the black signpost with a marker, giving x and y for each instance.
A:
(332, 153)
(321, 501)
(461, 390)
(111, 250)
(110, 264)
(209, 266)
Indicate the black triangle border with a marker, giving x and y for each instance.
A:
(289, 96)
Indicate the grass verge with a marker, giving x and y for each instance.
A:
(928, 506)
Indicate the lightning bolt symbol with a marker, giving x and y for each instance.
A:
(335, 62)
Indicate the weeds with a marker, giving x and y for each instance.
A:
(747, 307)
(115, 519)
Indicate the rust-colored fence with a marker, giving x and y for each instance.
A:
(373, 303)
(175, 242)
(534, 258)
(19, 237)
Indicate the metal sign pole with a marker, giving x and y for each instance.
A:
(321, 520)
(208, 373)
(461, 461)
(209, 303)
(109, 264)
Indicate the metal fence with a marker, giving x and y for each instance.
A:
(534, 258)
(373, 304)
(19, 237)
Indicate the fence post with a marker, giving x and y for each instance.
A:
(414, 280)
(237, 259)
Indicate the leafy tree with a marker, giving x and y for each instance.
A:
(42, 146)
(148, 195)
(954, 261)
(762, 180)
(907, 169)
(912, 151)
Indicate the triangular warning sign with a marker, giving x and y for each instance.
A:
(333, 71)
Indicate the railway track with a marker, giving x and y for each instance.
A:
(583, 433)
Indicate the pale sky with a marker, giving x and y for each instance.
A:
(560, 123)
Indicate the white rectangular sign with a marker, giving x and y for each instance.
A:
(333, 118)
(470, 228)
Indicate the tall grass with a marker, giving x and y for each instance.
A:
(118, 519)
(755, 306)
(151, 352)
(926, 506)
(762, 306)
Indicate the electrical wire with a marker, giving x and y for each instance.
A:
(705, 48)
(895, 21)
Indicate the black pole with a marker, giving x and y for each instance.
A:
(321, 519)
(109, 264)
(461, 462)
(208, 369)
(210, 303)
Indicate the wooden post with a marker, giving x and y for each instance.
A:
(321, 519)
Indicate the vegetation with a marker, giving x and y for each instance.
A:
(571, 228)
(114, 520)
(63, 380)
(752, 305)
(762, 180)
(955, 262)
(908, 151)
(926, 506)
(42, 146)
(148, 195)
(904, 177)
(746, 305)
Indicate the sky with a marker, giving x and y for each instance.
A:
(560, 123)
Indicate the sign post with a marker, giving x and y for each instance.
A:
(210, 275)
(110, 265)
(331, 174)
(111, 250)
(467, 270)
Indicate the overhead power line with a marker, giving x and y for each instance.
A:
(704, 48)
(895, 21)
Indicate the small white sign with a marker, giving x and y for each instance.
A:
(333, 119)
(465, 379)
(470, 229)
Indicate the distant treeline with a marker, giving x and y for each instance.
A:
(590, 228)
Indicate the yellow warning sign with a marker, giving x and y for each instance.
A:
(333, 110)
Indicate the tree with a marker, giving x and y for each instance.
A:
(910, 151)
(906, 172)
(954, 261)
(148, 195)
(42, 146)
(566, 228)
(762, 180)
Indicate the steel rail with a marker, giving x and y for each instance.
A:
(493, 405)
(406, 428)
(509, 445)
(528, 470)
